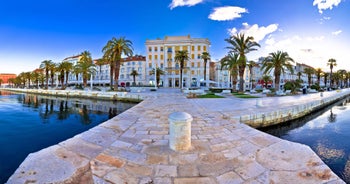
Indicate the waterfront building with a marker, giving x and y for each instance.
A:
(137, 63)
(160, 53)
(5, 77)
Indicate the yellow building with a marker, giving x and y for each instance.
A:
(161, 54)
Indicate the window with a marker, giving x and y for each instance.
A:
(198, 64)
(198, 56)
(161, 57)
(184, 48)
(133, 63)
(204, 48)
(140, 69)
(156, 57)
(177, 48)
(150, 49)
(150, 57)
(161, 49)
(155, 49)
(140, 63)
(199, 48)
(192, 48)
(192, 72)
(170, 50)
(192, 64)
(192, 56)
(149, 65)
(161, 65)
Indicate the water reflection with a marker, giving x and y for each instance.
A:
(326, 132)
(31, 122)
(63, 108)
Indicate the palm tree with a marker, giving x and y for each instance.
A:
(100, 63)
(181, 56)
(342, 76)
(205, 56)
(266, 79)
(331, 63)
(347, 79)
(241, 45)
(46, 65)
(159, 73)
(309, 72)
(60, 68)
(85, 66)
(251, 65)
(318, 73)
(325, 77)
(114, 50)
(278, 61)
(134, 73)
(299, 75)
(67, 68)
(53, 69)
(230, 62)
(76, 71)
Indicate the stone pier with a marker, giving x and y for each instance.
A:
(133, 147)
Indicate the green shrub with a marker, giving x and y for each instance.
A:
(315, 86)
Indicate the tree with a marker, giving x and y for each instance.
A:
(67, 68)
(86, 66)
(342, 77)
(113, 52)
(46, 66)
(1, 81)
(325, 77)
(266, 79)
(205, 56)
(318, 73)
(60, 68)
(159, 73)
(100, 63)
(309, 72)
(277, 61)
(134, 73)
(230, 62)
(251, 65)
(53, 69)
(299, 75)
(76, 71)
(331, 63)
(180, 57)
(241, 45)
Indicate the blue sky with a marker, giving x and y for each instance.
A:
(310, 31)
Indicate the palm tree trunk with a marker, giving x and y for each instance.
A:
(116, 75)
(180, 78)
(205, 72)
(241, 79)
(277, 82)
(47, 79)
(111, 72)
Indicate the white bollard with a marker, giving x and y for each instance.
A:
(180, 131)
(259, 103)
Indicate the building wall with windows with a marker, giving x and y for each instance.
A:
(6, 76)
(161, 54)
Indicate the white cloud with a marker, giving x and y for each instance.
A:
(336, 33)
(325, 4)
(257, 32)
(227, 13)
(176, 3)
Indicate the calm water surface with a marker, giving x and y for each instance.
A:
(327, 132)
(29, 123)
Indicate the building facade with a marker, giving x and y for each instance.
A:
(161, 54)
(5, 77)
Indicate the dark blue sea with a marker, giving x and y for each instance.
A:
(327, 132)
(29, 123)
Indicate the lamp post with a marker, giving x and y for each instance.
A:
(155, 77)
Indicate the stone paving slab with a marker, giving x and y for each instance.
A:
(134, 147)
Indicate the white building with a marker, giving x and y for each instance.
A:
(161, 54)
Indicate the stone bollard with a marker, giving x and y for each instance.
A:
(259, 103)
(180, 131)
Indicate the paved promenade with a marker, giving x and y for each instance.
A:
(134, 147)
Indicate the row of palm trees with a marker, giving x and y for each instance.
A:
(112, 55)
(278, 62)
